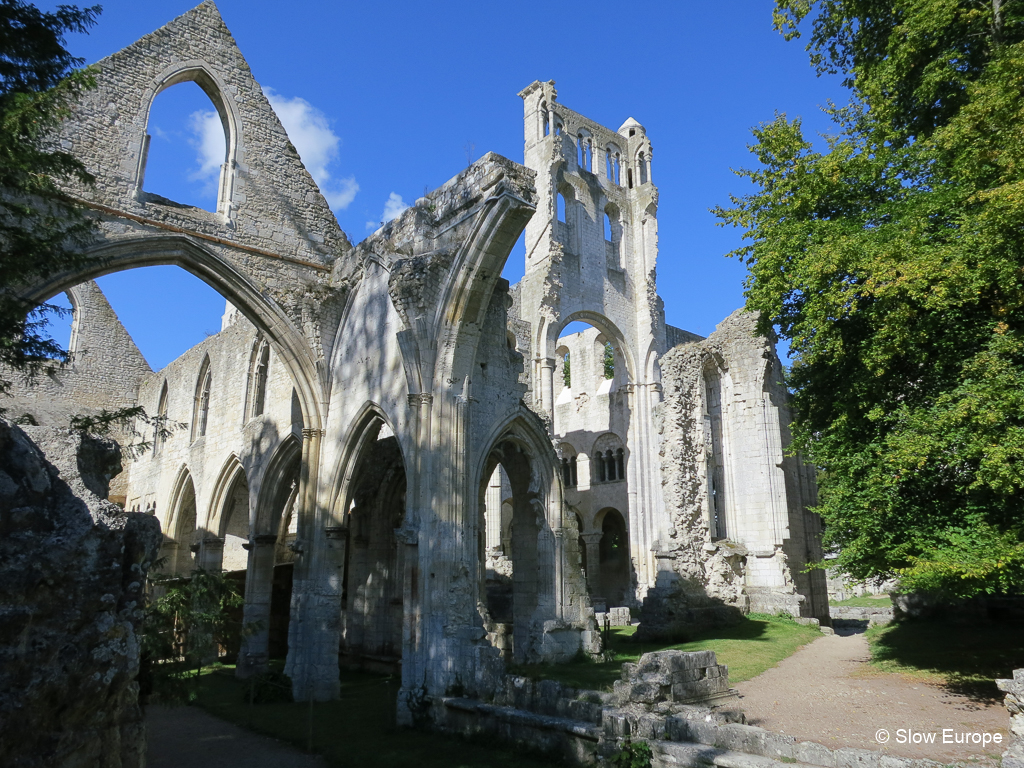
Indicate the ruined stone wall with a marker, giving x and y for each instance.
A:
(769, 534)
(72, 570)
(104, 373)
(234, 438)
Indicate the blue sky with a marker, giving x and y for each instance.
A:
(386, 99)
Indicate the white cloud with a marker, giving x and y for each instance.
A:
(393, 208)
(317, 145)
(208, 139)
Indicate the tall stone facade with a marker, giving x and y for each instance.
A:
(675, 474)
(384, 437)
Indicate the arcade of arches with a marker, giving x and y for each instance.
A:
(380, 439)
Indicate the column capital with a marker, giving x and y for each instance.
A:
(310, 432)
(419, 399)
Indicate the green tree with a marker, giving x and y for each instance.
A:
(893, 262)
(185, 628)
(41, 231)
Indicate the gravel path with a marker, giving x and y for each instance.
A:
(827, 693)
(188, 737)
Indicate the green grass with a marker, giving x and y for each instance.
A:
(757, 643)
(864, 601)
(359, 729)
(965, 658)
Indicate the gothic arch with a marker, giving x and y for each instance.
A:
(289, 344)
(548, 342)
(345, 469)
(202, 74)
(274, 487)
(225, 480)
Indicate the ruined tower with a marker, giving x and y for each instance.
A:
(591, 257)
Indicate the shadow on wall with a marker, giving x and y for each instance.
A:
(677, 607)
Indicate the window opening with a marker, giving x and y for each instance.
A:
(609, 361)
(185, 147)
(545, 123)
(629, 177)
(643, 168)
(561, 208)
(161, 421)
(607, 227)
(566, 371)
(201, 411)
(260, 375)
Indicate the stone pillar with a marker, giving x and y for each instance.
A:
(593, 542)
(211, 554)
(492, 511)
(547, 378)
(314, 631)
(254, 655)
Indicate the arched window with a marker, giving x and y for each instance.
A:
(714, 453)
(609, 460)
(159, 429)
(562, 209)
(185, 154)
(642, 167)
(585, 151)
(566, 370)
(201, 409)
(608, 361)
(558, 127)
(568, 465)
(607, 227)
(545, 124)
(612, 164)
(258, 377)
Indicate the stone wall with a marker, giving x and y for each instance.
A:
(72, 570)
(740, 532)
(104, 373)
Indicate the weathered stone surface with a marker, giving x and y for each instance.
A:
(72, 570)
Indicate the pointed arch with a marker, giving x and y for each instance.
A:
(289, 344)
(368, 423)
(202, 74)
(201, 400)
(229, 473)
(611, 332)
(276, 486)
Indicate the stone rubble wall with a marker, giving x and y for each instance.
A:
(104, 373)
(72, 570)
(770, 534)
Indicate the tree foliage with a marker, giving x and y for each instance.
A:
(186, 628)
(41, 231)
(893, 261)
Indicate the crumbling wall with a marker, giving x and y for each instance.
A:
(746, 548)
(72, 570)
(105, 370)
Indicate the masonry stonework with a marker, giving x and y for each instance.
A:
(384, 436)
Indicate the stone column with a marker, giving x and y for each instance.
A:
(593, 542)
(547, 378)
(254, 655)
(211, 554)
(315, 628)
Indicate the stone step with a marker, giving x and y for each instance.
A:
(682, 754)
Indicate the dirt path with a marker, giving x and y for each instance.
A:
(827, 693)
(185, 737)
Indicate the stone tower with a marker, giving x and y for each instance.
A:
(591, 256)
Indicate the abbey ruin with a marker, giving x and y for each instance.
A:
(414, 463)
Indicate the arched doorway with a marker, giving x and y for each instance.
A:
(373, 588)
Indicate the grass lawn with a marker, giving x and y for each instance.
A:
(864, 601)
(965, 658)
(357, 730)
(757, 643)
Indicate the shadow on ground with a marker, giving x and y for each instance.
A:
(968, 657)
